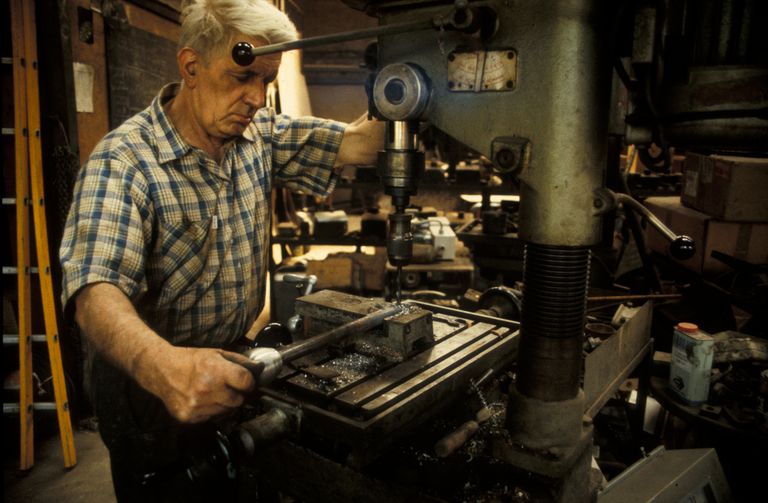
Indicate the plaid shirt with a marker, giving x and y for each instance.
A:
(185, 238)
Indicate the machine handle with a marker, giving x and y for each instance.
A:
(681, 247)
(255, 367)
(461, 17)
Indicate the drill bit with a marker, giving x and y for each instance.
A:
(399, 292)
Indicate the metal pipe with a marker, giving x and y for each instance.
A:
(367, 322)
(622, 298)
(377, 31)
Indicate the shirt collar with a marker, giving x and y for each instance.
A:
(170, 144)
(250, 132)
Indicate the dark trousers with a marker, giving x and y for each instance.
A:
(153, 457)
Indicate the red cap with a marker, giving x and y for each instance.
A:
(687, 327)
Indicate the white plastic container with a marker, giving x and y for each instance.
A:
(692, 352)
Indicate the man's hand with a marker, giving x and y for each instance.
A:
(362, 140)
(196, 384)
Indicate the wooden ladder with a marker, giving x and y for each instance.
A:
(29, 175)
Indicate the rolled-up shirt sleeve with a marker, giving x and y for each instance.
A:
(107, 230)
(304, 150)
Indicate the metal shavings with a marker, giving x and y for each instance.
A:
(348, 368)
(496, 493)
(382, 354)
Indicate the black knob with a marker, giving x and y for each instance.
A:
(395, 91)
(682, 248)
(272, 336)
(242, 53)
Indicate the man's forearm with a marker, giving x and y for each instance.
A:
(195, 384)
(112, 325)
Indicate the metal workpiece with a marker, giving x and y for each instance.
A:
(358, 326)
(268, 362)
(409, 332)
(398, 337)
(401, 92)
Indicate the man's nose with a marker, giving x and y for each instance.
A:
(255, 95)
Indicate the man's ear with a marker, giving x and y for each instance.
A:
(189, 62)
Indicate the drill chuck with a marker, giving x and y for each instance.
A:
(400, 240)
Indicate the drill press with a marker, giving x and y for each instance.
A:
(401, 95)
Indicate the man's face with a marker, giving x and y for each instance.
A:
(227, 95)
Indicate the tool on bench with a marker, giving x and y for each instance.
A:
(265, 363)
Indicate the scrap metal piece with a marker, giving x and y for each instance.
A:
(732, 346)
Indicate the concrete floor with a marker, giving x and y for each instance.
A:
(48, 480)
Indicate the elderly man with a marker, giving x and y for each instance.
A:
(165, 249)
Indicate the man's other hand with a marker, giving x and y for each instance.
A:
(198, 384)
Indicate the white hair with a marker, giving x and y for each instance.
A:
(208, 25)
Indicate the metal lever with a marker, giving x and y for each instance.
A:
(265, 363)
(244, 53)
(681, 247)
(461, 17)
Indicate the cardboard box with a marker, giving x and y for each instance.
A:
(728, 188)
(747, 241)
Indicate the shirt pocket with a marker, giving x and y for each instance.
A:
(192, 253)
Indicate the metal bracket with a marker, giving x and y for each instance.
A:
(510, 154)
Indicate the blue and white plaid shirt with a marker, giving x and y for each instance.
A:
(185, 238)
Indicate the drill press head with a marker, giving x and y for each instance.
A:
(401, 95)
